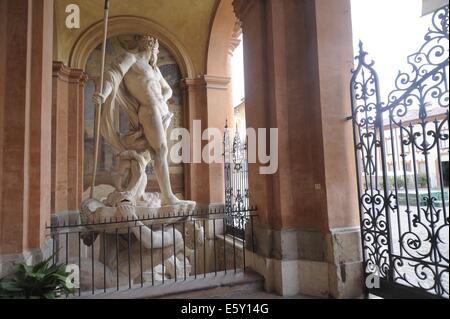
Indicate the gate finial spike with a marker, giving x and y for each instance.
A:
(361, 47)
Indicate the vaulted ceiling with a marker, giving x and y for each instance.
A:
(188, 20)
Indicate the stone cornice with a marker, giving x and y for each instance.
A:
(193, 84)
(60, 70)
(64, 73)
(206, 81)
(78, 75)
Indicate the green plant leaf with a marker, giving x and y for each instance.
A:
(43, 280)
(50, 295)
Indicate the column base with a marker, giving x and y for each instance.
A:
(297, 262)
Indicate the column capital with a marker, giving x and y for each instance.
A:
(206, 81)
(217, 82)
(189, 84)
(78, 76)
(60, 70)
(67, 74)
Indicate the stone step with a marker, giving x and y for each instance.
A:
(210, 287)
(230, 284)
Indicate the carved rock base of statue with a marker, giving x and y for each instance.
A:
(94, 211)
(172, 267)
(139, 230)
(129, 201)
(153, 258)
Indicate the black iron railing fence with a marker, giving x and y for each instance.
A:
(116, 255)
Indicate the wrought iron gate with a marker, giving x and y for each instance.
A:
(236, 180)
(402, 152)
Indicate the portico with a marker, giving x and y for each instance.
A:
(298, 55)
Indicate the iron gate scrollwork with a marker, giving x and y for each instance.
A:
(236, 181)
(402, 152)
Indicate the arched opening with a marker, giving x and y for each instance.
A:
(225, 62)
(224, 38)
(218, 81)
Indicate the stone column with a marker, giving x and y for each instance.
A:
(26, 38)
(220, 110)
(60, 139)
(67, 137)
(77, 79)
(206, 99)
(298, 57)
(196, 174)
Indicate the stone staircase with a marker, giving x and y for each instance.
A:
(222, 286)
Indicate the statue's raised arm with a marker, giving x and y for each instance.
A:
(115, 74)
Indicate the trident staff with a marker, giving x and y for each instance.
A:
(99, 106)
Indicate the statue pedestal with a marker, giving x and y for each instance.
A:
(99, 217)
(146, 237)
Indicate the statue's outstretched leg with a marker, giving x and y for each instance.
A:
(155, 133)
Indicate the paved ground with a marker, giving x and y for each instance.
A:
(258, 295)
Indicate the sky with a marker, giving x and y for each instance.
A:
(238, 74)
(390, 30)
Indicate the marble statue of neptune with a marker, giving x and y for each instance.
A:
(135, 84)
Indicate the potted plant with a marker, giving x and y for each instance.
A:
(44, 280)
